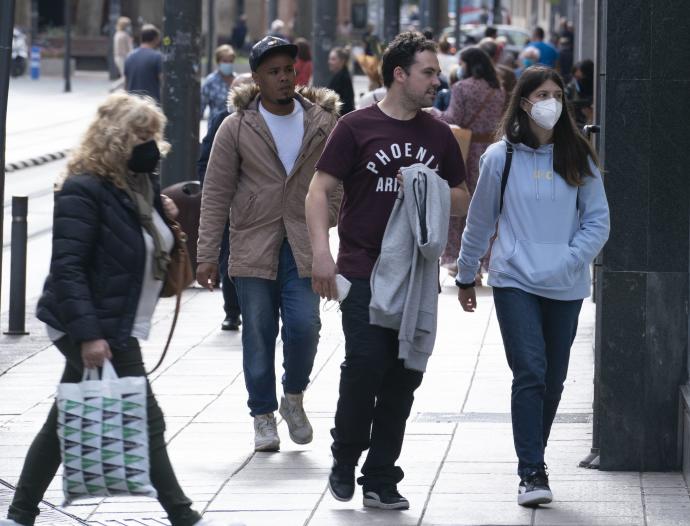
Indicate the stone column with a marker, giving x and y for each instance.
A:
(642, 321)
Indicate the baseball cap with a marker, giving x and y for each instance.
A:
(267, 46)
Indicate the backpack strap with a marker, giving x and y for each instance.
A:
(506, 172)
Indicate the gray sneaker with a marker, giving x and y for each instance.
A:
(266, 433)
(292, 410)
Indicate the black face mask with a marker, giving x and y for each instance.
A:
(145, 157)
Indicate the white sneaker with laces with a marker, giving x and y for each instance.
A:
(266, 433)
(292, 410)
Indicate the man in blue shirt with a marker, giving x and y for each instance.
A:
(548, 55)
(144, 65)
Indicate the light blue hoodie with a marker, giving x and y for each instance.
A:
(548, 233)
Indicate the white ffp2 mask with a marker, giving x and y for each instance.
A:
(546, 112)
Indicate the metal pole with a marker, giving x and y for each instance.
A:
(458, 22)
(498, 13)
(180, 93)
(391, 17)
(325, 16)
(114, 12)
(68, 46)
(273, 11)
(6, 25)
(210, 36)
(20, 208)
(34, 22)
(240, 7)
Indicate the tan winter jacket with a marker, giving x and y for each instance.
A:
(246, 179)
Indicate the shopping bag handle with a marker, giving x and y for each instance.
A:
(91, 373)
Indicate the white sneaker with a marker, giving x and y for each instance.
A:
(266, 433)
(10, 522)
(292, 410)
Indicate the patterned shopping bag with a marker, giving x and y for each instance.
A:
(103, 436)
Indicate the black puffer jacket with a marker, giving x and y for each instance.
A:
(97, 267)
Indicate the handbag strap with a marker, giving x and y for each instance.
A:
(170, 334)
(178, 300)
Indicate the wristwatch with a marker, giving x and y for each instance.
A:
(464, 286)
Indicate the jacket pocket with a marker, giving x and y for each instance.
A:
(544, 265)
(243, 211)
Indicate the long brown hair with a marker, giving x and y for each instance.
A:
(571, 151)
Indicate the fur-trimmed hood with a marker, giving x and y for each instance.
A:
(241, 97)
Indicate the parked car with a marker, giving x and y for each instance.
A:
(470, 34)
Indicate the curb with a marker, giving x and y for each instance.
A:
(36, 161)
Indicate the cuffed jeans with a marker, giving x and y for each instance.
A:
(537, 335)
(376, 394)
(264, 302)
(43, 459)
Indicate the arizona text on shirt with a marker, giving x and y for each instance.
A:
(398, 151)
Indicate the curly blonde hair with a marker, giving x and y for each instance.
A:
(121, 122)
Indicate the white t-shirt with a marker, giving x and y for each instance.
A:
(150, 286)
(287, 132)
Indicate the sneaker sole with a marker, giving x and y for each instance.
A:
(336, 497)
(374, 503)
(270, 447)
(534, 498)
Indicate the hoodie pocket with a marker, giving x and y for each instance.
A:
(543, 265)
(244, 211)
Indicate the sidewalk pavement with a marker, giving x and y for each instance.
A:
(458, 455)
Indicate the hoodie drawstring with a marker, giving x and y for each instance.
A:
(536, 174)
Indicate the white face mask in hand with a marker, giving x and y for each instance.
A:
(546, 112)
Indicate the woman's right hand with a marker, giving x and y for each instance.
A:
(94, 353)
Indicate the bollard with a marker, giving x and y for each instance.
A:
(20, 207)
(35, 62)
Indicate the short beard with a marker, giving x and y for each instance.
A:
(284, 102)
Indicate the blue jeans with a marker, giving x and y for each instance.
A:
(537, 335)
(264, 303)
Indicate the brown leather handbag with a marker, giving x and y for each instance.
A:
(180, 274)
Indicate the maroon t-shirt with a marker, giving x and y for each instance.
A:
(365, 150)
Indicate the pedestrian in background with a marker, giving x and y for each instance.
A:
(144, 65)
(126, 253)
(261, 163)
(552, 221)
(239, 33)
(505, 74)
(548, 54)
(214, 89)
(231, 304)
(365, 152)
(476, 103)
(580, 92)
(528, 57)
(341, 81)
(122, 43)
(303, 64)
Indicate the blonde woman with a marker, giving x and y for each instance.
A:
(111, 248)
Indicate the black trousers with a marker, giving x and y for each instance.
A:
(231, 304)
(376, 394)
(43, 459)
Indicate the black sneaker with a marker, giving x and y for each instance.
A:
(534, 488)
(341, 481)
(231, 323)
(385, 498)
